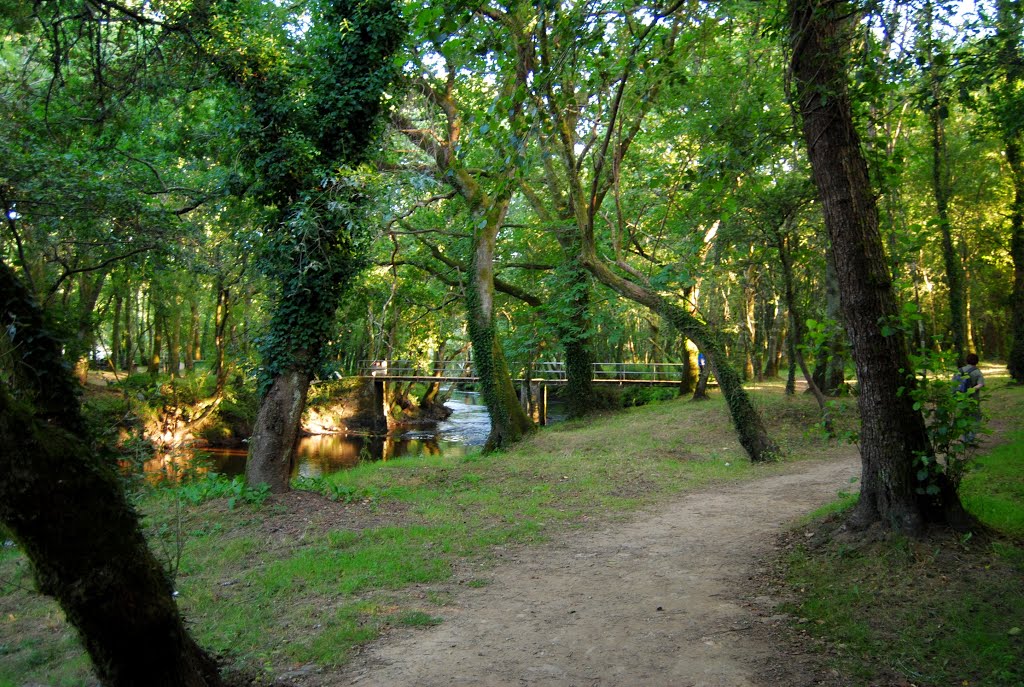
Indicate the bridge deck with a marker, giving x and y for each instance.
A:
(540, 380)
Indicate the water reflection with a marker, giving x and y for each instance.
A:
(467, 426)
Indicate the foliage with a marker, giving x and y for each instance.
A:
(214, 486)
(952, 417)
(335, 490)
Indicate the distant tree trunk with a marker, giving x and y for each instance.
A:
(700, 391)
(192, 351)
(115, 334)
(89, 552)
(748, 324)
(174, 340)
(128, 362)
(157, 341)
(776, 330)
(220, 331)
(1009, 31)
(797, 326)
(89, 286)
(938, 111)
(835, 370)
(791, 365)
(892, 431)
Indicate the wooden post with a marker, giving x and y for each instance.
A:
(380, 413)
(543, 403)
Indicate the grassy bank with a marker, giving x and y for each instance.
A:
(272, 583)
(945, 610)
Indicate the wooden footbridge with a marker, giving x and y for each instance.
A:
(552, 373)
(534, 386)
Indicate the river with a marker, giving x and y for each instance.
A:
(323, 454)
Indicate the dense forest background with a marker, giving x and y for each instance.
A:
(137, 206)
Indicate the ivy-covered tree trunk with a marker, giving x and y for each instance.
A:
(893, 433)
(574, 335)
(314, 112)
(750, 428)
(509, 422)
(65, 508)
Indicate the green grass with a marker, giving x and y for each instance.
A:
(993, 491)
(268, 587)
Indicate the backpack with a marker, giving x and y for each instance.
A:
(964, 379)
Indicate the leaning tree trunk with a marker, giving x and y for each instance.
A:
(65, 507)
(275, 431)
(892, 432)
(752, 434)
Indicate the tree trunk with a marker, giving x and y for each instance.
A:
(157, 342)
(174, 340)
(752, 434)
(797, 325)
(115, 333)
(835, 371)
(1010, 28)
(508, 421)
(192, 351)
(89, 286)
(89, 553)
(272, 444)
(748, 324)
(937, 113)
(575, 338)
(892, 432)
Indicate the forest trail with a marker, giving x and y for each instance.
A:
(662, 599)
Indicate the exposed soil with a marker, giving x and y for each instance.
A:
(664, 599)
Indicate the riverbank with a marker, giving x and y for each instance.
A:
(292, 589)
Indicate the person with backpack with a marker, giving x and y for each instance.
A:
(970, 380)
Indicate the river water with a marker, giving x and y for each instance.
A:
(467, 427)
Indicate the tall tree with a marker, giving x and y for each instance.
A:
(935, 63)
(893, 435)
(314, 97)
(1009, 110)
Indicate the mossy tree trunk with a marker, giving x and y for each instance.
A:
(509, 422)
(276, 430)
(750, 428)
(89, 552)
(892, 432)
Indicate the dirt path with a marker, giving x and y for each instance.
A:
(655, 601)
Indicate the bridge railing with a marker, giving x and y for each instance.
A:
(457, 369)
(541, 371)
